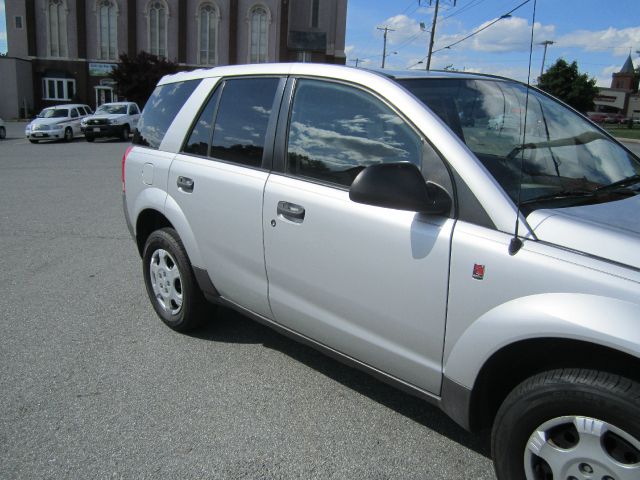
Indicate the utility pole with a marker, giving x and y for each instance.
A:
(546, 43)
(384, 48)
(433, 34)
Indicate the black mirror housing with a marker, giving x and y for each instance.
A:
(399, 186)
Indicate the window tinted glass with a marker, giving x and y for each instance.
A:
(336, 131)
(160, 110)
(242, 118)
(74, 113)
(198, 142)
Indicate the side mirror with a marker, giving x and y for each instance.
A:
(400, 186)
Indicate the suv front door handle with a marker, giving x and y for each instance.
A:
(185, 184)
(291, 211)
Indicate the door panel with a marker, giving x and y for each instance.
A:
(219, 183)
(224, 210)
(369, 282)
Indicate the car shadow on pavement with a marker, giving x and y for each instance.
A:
(232, 327)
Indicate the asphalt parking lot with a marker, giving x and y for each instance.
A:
(94, 386)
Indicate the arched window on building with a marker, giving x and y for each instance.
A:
(107, 11)
(208, 18)
(57, 28)
(157, 17)
(259, 20)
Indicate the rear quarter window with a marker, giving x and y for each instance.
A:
(162, 107)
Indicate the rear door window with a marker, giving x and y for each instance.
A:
(242, 119)
(200, 137)
(160, 110)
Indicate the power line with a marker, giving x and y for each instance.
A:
(483, 28)
(473, 3)
(471, 34)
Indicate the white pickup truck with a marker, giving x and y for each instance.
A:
(116, 119)
(493, 272)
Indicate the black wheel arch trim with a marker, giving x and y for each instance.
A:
(455, 401)
(206, 285)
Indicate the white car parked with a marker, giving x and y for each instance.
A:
(56, 123)
(111, 120)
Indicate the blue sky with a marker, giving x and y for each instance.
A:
(598, 34)
(595, 33)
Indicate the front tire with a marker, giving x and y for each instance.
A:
(569, 424)
(68, 134)
(33, 141)
(89, 138)
(3, 133)
(170, 282)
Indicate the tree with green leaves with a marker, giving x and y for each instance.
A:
(564, 81)
(136, 77)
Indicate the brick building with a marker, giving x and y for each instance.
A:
(62, 50)
(622, 97)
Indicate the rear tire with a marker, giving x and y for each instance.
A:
(125, 133)
(3, 133)
(570, 423)
(170, 282)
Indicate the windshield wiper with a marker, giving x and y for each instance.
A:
(559, 196)
(581, 139)
(625, 182)
(581, 193)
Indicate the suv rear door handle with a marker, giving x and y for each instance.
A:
(291, 211)
(185, 184)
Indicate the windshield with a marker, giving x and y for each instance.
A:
(54, 113)
(120, 109)
(562, 156)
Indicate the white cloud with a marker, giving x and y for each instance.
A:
(348, 49)
(354, 125)
(404, 29)
(515, 72)
(603, 40)
(261, 110)
(508, 35)
(603, 79)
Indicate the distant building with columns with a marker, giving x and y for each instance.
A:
(62, 50)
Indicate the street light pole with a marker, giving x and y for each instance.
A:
(384, 47)
(546, 43)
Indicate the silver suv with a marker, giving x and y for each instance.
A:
(463, 237)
